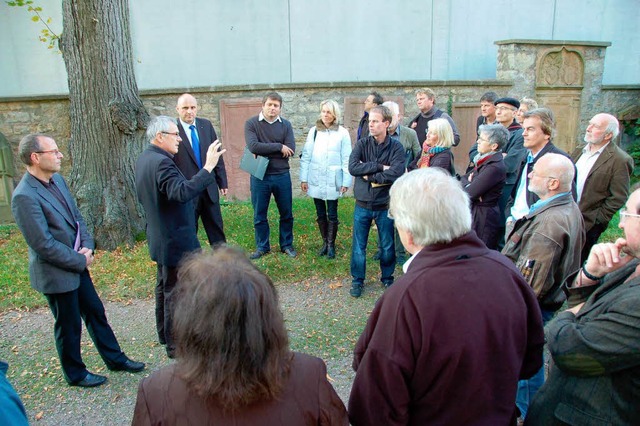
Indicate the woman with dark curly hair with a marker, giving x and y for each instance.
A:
(234, 365)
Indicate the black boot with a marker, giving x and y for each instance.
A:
(332, 230)
(322, 226)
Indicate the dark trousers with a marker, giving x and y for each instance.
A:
(166, 279)
(326, 207)
(69, 309)
(591, 238)
(211, 217)
(261, 190)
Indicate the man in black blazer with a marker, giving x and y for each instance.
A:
(166, 196)
(60, 252)
(199, 133)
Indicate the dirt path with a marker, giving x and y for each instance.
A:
(313, 309)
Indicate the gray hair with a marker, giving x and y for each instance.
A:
(613, 126)
(159, 124)
(393, 107)
(28, 145)
(530, 103)
(496, 133)
(431, 206)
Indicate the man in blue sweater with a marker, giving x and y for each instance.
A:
(271, 136)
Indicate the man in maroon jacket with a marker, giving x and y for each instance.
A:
(448, 342)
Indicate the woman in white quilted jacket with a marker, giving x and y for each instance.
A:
(324, 173)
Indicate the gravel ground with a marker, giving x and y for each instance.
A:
(322, 318)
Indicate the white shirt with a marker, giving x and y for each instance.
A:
(261, 118)
(520, 206)
(585, 164)
(406, 265)
(187, 130)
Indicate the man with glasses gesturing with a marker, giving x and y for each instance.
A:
(168, 201)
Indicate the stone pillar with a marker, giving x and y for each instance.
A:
(565, 76)
(6, 180)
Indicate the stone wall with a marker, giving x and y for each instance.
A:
(301, 105)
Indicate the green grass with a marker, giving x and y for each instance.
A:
(128, 273)
(613, 232)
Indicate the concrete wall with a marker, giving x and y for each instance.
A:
(201, 44)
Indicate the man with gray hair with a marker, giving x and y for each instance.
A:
(167, 198)
(447, 343)
(409, 141)
(604, 172)
(545, 244)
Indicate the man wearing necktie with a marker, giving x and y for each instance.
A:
(200, 134)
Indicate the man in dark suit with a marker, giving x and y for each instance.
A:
(166, 196)
(595, 345)
(60, 251)
(197, 135)
(604, 172)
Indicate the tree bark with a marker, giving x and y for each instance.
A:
(107, 118)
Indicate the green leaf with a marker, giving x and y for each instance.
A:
(35, 18)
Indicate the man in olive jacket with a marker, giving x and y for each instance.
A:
(595, 345)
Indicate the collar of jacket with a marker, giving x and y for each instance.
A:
(514, 126)
(320, 127)
(558, 201)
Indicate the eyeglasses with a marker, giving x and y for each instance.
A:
(533, 173)
(504, 108)
(484, 140)
(51, 151)
(176, 134)
(624, 214)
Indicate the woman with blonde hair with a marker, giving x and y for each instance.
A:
(526, 104)
(436, 150)
(234, 365)
(324, 171)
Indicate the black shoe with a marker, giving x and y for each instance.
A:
(171, 352)
(387, 284)
(129, 366)
(258, 254)
(90, 381)
(290, 251)
(356, 289)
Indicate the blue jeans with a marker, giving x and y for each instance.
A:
(528, 388)
(261, 190)
(361, 224)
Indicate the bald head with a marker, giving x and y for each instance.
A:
(187, 108)
(552, 174)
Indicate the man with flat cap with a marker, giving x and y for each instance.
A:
(513, 152)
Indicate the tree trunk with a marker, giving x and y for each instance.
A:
(107, 118)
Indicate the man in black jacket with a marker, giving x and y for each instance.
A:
(426, 100)
(166, 197)
(374, 99)
(375, 162)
